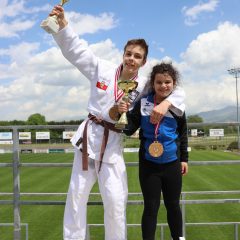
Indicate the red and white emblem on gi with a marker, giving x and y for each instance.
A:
(102, 85)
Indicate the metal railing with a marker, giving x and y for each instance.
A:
(12, 224)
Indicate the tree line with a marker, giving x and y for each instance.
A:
(38, 119)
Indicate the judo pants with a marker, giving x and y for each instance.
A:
(112, 181)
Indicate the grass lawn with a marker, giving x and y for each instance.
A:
(45, 222)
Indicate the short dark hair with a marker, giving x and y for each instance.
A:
(140, 42)
(165, 68)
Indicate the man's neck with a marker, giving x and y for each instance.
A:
(126, 76)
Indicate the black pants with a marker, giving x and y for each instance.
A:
(154, 179)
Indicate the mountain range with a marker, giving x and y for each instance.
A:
(226, 114)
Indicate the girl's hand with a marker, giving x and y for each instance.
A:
(184, 168)
(159, 111)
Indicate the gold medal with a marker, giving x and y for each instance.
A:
(113, 113)
(155, 149)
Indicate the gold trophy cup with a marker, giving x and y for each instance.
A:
(50, 24)
(126, 86)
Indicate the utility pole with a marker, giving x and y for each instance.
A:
(235, 72)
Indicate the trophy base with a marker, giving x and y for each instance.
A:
(50, 25)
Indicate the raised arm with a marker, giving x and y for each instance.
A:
(75, 50)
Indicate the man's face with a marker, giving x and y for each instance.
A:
(133, 59)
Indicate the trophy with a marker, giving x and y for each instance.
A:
(50, 24)
(126, 86)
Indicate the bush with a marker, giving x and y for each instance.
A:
(232, 145)
(199, 147)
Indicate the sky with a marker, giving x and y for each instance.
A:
(200, 38)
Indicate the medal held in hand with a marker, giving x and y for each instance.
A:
(50, 24)
(156, 148)
(113, 113)
(126, 86)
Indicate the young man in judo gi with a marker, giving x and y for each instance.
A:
(98, 149)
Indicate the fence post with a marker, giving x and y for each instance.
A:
(16, 186)
(184, 214)
(87, 237)
(162, 233)
(236, 231)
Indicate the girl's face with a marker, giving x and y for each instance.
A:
(163, 85)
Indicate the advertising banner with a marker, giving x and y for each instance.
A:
(216, 132)
(42, 135)
(5, 135)
(194, 132)
(68, 134)
(24, 135)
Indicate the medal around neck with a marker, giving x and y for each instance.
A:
(155, 149)
(126, 86)
(50, 25)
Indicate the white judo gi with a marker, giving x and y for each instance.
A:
(112, 178)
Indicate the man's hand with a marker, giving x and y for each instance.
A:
(59, 12)
(123, 106)
(159, 111)
(184, 168)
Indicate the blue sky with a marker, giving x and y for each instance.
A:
(200, 37)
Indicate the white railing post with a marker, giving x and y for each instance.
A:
(184, 213)
(162, 232)
(16, 186)
(236, 231)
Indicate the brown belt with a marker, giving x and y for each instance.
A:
(107, 126)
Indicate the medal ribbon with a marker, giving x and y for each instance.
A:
(158, 124)
(118, 93)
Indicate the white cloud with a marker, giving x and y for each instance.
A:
(213, 52)
(21, 52)
(18, 7)
(192, 14)
(204, 67)
(85, 23)
(48, 84)
(12, 29)
(15, 17)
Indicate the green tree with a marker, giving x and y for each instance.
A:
(36, 119)
(194, 119)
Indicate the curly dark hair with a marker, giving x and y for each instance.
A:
(163, 68)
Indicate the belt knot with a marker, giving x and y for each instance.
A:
(107, 126)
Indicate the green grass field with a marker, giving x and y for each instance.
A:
(45, 222)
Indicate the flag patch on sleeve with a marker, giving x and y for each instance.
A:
(102, 85)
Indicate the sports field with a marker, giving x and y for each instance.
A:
(45, 222)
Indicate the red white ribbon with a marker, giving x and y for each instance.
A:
(118, 93)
